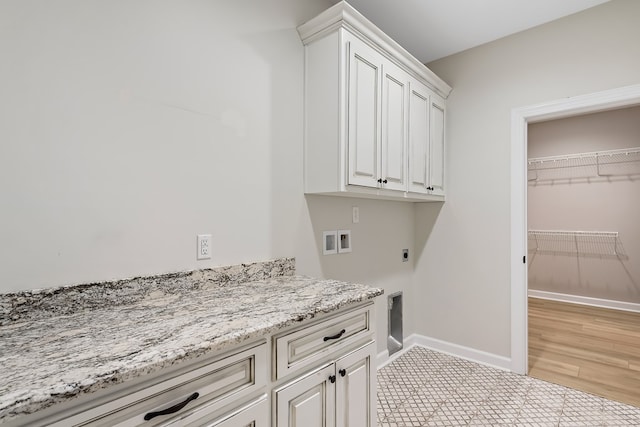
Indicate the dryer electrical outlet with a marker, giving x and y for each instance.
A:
(355, 214)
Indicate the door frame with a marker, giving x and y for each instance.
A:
(520, 118)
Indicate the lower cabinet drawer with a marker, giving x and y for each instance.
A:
(209, 387)
(308, 345)
(253, 414)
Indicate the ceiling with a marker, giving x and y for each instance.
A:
(433, 29)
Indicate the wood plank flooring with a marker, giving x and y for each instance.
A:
(592, 349)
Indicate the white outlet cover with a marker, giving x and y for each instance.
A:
(204, 246)
(329, 242)
(344, 241)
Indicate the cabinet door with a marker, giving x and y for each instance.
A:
(419, 110)
(394, 127)
(436, 175)
(307, 402)
(356, 388)
(364, 114)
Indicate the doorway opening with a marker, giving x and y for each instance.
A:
(520, 119)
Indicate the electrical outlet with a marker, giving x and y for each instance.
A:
(355, 215)
(204, 246)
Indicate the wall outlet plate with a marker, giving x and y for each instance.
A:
(204, 246)
(344, 241)
(329, 242)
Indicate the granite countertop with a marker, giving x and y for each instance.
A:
(56, 344)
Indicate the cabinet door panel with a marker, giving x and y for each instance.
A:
(364, 115)
(419, 138)
(355, 390)
(308, 402)
(394, 122)
(437, 149)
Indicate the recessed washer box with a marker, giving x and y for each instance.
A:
(344, 241)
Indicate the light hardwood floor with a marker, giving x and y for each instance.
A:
(591, 349)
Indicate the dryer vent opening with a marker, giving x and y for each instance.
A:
(394, 337)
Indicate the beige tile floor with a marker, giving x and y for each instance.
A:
(426, 388)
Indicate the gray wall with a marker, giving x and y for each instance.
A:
(127, 128)
(462, 279)
(565, 199)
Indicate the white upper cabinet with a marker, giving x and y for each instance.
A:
(395, 88)
(376, 119)
(420, 109)
(436, 172)
(426, 141)
(374, 115)
(364, 114)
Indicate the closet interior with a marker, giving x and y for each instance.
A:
(583, 215)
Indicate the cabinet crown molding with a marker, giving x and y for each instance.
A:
(343, 15)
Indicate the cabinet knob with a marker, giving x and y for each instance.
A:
(379, 180)
(385, 181)
(342, 372)
(332, 378)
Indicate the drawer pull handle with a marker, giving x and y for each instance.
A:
(336, 336)
(173, 409)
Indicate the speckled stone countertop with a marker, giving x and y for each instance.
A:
(56, 344)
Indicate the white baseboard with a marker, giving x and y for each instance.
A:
(456, 350)
(594, 302)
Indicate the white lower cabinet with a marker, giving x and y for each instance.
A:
(308, 401)
(339, 394)
(356, 388)
(321, 373)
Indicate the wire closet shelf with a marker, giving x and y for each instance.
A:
(585, 165)
(564, 242)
